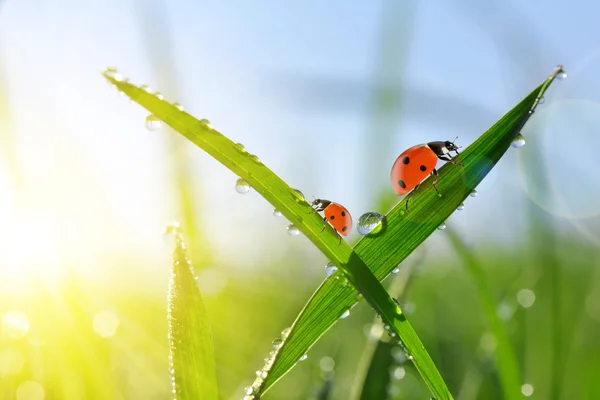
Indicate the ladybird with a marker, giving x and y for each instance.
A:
(415, 164)
(337, 215)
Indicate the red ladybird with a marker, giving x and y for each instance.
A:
(415, 164)
(337, 215)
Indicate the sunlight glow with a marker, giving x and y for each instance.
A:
(30, 390)
(15, 324)
(105, 323)
(11, 361)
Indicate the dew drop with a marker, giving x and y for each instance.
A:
(395, 270)
(345, 314)
(146, 88)
(442, 226)
(277, 213)
(299, 193)
(304, 357)
(255, 158)
(241, 186)
(542, 100)
(461, 207)
(369, 222)
(562, 75)
(518, 141)
(293, 230)
(285, 332)
(159, 95)
(241, 147)
(206, 123)
(153, 123)
(277, 343)
(474, 193)
(330, 269)
(178, 106)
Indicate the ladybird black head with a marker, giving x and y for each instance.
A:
(451, 146)
(320, 205)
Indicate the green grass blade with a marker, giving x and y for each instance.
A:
(373, 377)
(299, 212)
(505, 357)
(400, 236)
(192, 354)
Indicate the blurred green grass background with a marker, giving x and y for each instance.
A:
(85, 318)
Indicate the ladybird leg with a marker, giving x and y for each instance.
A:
(450, 160)
(437, 176)
(410, 195)
(324, 224)
(340, 240)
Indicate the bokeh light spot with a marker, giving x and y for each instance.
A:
(11, 361)
(15, 324)
(211, 282)
(30, 390)
(105, 323)
(527, 390)
(526, 297)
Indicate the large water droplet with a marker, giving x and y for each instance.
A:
(396, 270)
(277, 213)
(330, 269)
(178, 106)
(474, 193)
(286, 332)
(299, 193)
(146, 88)
(293, 230)
(542, 100)
(241, 147)
(153, 123)
(461, 207)
(304, 357)
(369, 222)
(518, 141)
(442, 226)
(277, 343)
(159, 95)
(241, 186)
(561, 75)
(345, 314)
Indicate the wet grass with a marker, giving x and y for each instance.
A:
(373, 257)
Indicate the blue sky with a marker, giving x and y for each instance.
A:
(97, 178)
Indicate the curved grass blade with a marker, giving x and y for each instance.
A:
(300, 213)
(373, 376)
(505, 357)
(192, 355)
(402, 233)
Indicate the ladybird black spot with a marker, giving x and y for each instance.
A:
(405, 160)
(344, 229)
(343, 213)
(332, 217)
(423, 168)
(401, 184)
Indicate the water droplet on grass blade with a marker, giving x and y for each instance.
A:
(293, 230)
(285, 332)
(178, 106)
(442, 226)
(241, 186)
(277, 343)
(241, 147)
(153, 123)
(562, 75)
(304, 357)
(330, 269)
(146, 88)
(461, 207)
(159, 95)
(299, 193)
(206, 123)
(345, 314)
(395, 270)
(277, 213)
(518, 141)
(369, 222)
(474, 193)
(542, 100)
